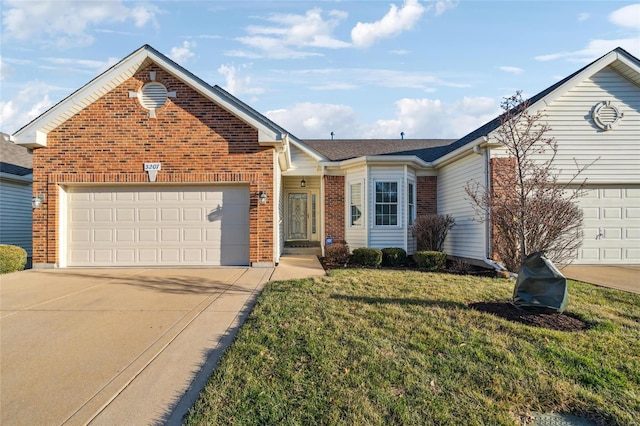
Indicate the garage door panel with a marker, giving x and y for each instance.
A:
(611, 225)
(632, 212)
(146, 226)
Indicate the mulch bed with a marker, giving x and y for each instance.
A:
(553, 321)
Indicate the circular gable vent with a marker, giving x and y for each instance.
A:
(606, 115)
(153, 95)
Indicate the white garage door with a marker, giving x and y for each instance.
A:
(611, 225)
(158, 226)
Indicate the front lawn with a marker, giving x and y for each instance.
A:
(393, 347)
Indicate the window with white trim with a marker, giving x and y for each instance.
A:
(355, 204)
(411, 207)
(386, 200)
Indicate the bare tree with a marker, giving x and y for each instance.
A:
(528, 208)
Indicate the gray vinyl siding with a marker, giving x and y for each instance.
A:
(356, 236)
(468, 237)
(16, 214)
(616, 151)
(386, 236)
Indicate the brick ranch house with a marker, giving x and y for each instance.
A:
(149, 165)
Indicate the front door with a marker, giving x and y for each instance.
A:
(297, 226)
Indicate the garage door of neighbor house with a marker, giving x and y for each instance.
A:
(158, 226)
(611, 225)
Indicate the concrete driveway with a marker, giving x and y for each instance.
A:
(115, 346)
(620, 277)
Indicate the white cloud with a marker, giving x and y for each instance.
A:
(432, 118)
(312, 120)
(289, 33)
(81, 65)
(628, 17)
(444, 5)
(181, 54)
(67, 23)
(393, 23)
(583, 16)
(417, 118)
(595, 49)
(237, 84)
(513, 70)
(30, 102)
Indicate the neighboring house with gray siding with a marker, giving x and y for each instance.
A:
(16, 173)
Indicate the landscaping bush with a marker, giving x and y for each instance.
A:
(365, 256)
(336, 253)
(430, 260)
(12, 258)
(431, 230)
(394, 257)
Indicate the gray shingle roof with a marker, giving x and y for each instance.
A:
(14, 159)
(344, 149)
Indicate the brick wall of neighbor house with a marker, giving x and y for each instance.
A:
(502, 175)
(195, 140)
(426, 195)
(334, 207)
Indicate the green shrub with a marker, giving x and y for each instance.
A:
(430, 260)
(12, 258)
(394, 257)
(336, 253)
(365, 256)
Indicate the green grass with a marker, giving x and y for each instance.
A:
(391, 347)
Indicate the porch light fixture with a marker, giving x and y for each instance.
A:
(303, 183)
(263, 197)
(36, 202)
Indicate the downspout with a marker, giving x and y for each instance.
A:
(405, 219)
(322, 210)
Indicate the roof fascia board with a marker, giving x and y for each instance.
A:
(595, 67)
(379, 160)
(304, 148)
(266, 134)
(33, 131)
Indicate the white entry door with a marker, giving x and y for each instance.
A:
(157, 226)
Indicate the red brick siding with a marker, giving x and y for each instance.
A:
(427, 195)
(334, 207)
(503, 175)
(195, 140)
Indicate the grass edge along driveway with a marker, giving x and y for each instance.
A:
(396, 347)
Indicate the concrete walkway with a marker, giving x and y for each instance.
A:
(620, 277)
(121, 346)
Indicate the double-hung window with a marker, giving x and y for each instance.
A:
(386, 203)
(355, 204)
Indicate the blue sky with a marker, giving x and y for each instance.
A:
(362, 69)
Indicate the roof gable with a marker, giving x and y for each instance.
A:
(34, 134)
(619, 59)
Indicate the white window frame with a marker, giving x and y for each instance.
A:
(350, 205)
(398, 204)
(411, 207)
